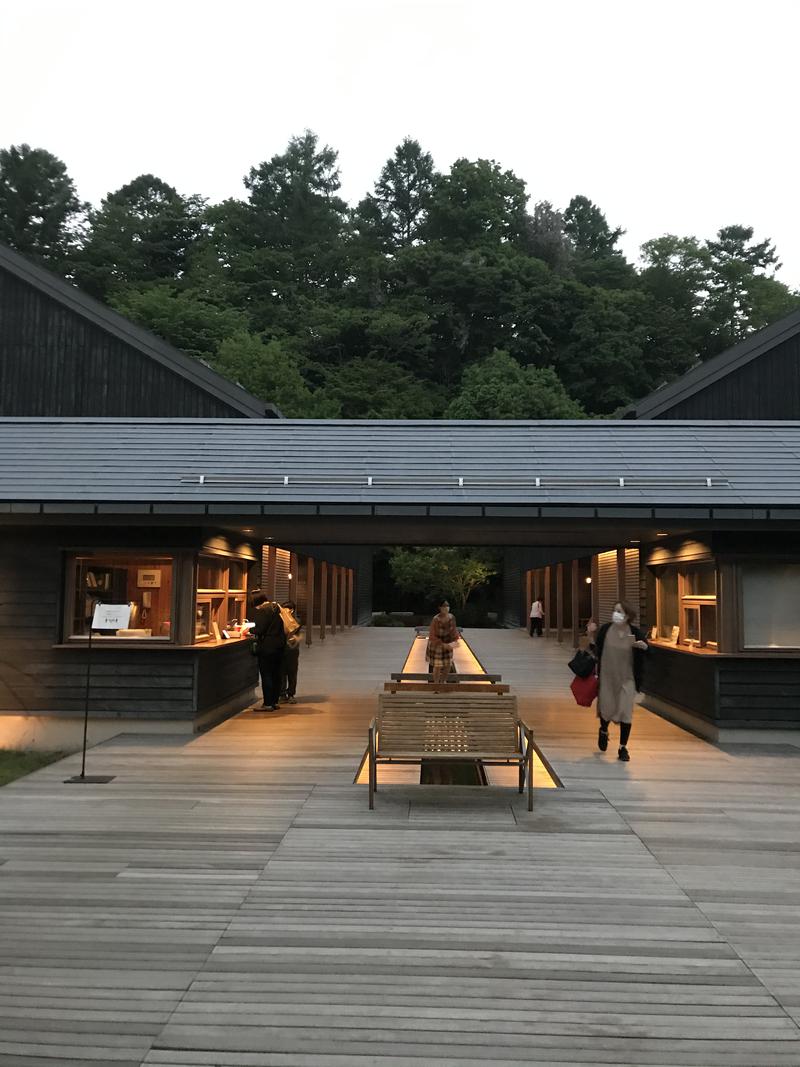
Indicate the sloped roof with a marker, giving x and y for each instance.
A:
(711, 371)
(195, 372)
(201, 462)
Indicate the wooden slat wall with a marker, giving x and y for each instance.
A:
(53, 362)
(282, 572)
(632, 581)
(606, 585)
(766, 388)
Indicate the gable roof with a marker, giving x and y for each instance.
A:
(195, 464)
(145, 342)
(712, 370)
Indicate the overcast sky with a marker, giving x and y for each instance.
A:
(673, 116)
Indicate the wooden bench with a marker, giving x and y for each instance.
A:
(452, 678)
(445, 687)
(412, 727)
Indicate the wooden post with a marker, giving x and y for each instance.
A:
(596, 590)
(620, 574)
(350, 576)
(547, 602)
(268, 576)
(310, 597)
(323, 598)
(576, 601)
(528, 597)
(560, 602)
(334, 596)
(293, 565)
(342, 595)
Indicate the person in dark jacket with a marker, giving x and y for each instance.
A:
(619, 648)
(270, 638)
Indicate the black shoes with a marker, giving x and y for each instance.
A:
(624, 755)
(602, 739)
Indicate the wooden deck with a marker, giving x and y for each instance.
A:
(228, 900)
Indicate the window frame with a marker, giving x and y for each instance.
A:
(106, 558)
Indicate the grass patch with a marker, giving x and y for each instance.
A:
(16, 763)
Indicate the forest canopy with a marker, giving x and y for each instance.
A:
(440, 294)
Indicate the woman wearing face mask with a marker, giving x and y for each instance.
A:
(620, 648)
(441, 642)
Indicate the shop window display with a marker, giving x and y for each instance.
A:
(144, 582)
(221, 603)
(686, 605)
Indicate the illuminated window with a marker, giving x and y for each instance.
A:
(221, 603)
(144, 582)
(686, 604)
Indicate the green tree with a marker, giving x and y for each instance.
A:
(143, 232)
(735, 261)
(477, 203)
(499, 388)
(370, 388)
(546, 237)
(40, 212)
(180, 316)
(587, 228)
(270, 371)
(403, 191)
(454, 573)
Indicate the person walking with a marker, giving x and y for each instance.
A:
(537, 614)
(270, 640)
(442, 638)
(619, 648)
(291, 653)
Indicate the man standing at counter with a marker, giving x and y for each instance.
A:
(270, 641)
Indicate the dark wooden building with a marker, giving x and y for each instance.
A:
(756, 379)
(63, 353)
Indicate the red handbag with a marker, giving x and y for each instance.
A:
(585, 690)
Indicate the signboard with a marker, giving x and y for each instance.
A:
(111, 617)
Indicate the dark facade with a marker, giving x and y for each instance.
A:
(43, 672)
(756, 379)
(64, 354)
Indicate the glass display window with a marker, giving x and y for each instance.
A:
(144, 582)
(221, 597)
(770, 593)
(686, 604)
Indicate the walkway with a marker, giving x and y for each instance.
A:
(229, 900)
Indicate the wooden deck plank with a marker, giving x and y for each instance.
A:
(228, 900)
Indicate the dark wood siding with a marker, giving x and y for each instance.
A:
(38, 678)
(53, 362)
(768, 387)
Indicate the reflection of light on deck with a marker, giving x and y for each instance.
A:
(466, 662)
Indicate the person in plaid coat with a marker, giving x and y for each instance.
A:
(442, 639)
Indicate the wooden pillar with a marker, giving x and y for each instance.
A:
(342, 596)
(323, 598)
(334, 596)
(620, 574)
(310, 598)
(293, 565)
(547, 605)
(560, 602)
(596, 590)
(576, 601)
(269, 572)
(350, 583)
(528, 594)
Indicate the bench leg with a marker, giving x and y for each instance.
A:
(373, 768)
(530, 773)
(521, 776)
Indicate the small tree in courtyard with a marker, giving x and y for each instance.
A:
(451, 572)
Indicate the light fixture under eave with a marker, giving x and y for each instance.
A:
(588, 581)
(248, 530)
(289, 576)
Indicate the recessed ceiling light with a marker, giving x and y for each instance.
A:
(662, 535)
(247, 529)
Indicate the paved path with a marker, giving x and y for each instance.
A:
(229, 900)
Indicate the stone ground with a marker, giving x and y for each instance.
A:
(229, 899)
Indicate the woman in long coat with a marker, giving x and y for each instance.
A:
(442, 639)
(620, 648)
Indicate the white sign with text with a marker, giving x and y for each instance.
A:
(111, 617)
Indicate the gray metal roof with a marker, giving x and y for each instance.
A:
(201, 462)
(200, 375)
(706, 374)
